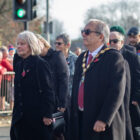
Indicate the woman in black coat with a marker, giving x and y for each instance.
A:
(34, 96)
(59, 70)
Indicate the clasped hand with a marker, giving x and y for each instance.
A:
(99, 126)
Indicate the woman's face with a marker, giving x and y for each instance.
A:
(23, 48)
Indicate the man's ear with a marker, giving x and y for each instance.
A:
(101, 37)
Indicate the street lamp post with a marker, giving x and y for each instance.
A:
(47, 20)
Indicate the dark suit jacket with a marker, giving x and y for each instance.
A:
(104, 88)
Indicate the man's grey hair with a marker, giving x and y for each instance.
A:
(32, 41)
(65, 38)
(102, 28)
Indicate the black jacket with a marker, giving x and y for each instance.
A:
(130, 48)
(29, 103)
(59, 70)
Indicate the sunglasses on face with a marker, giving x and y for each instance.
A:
(114, 41)
(58, 43)
(88, 31)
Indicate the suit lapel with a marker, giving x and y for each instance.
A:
(96, 60)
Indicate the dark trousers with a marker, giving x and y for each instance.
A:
(80, 115)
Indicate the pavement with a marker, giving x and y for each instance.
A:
(5, 123)
(4, 133)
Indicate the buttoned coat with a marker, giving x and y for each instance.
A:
(32, 102)
(104, 88)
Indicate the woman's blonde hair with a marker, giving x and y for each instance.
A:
(45, 42)
(32, 41)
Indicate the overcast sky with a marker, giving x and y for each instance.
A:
(71, 13)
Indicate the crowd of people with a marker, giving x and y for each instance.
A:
(97, 90)
(6, 80)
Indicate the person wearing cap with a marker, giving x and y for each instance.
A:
(134, 38)
(122, 31)
(117, 41)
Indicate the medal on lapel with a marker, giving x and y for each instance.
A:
(95, 59)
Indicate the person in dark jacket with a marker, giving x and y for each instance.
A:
(118, 45)
(134, 65)
(63, 44)
(34, 102)
(134, 38)
(59, 70)
(97, 110)
(60, 74)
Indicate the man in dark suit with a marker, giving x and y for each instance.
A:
(117, 42)
(97, 111)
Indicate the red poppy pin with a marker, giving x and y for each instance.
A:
(23, 73)
(96, 60)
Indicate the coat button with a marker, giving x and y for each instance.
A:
(21, 104)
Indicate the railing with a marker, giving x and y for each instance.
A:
(7, 92)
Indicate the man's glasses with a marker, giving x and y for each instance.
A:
(58, 43)
(88, 31)
(114, 41)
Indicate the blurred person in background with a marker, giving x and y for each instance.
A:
(2, 71)
(5, 62)
(7, 80)
(63, 44)
(34, 102)
(11, 51)
(134, 38)
(78, 51)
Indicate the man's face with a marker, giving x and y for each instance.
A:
(90, 35)
(115, 41)
(133, 39)
(60, 45)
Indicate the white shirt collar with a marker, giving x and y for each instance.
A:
(94, 53)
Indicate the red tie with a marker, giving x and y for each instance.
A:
(89, 58)
(81, 89)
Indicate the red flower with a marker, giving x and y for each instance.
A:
(23, 73)
(96, 60)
